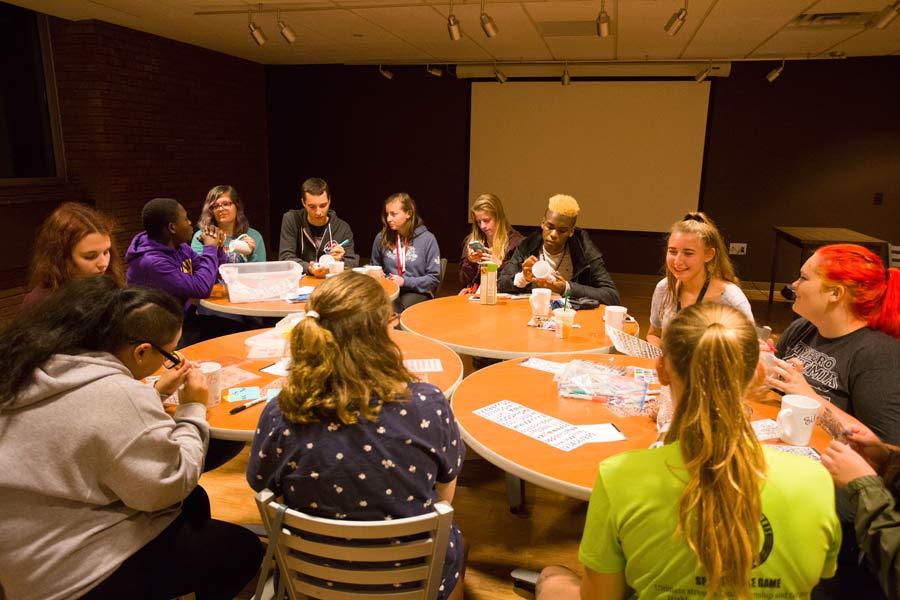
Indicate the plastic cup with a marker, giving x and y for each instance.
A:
(336, 267)
(540, 302)
(541, 269)
(564, 318)
(797, 418)
(615, 317)
(213, 372)
(326, 260)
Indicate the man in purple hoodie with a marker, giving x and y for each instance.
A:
(161, 257)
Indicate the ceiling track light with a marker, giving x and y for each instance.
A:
(676, 21)
(603, 21)
(501, 78)
(885, 16)
(487, 23)
(258, 36)
(286, 32)
(453, 25)
(387, 74)
(436, 71)
(775, 73)
(566, 78)
(702, 75)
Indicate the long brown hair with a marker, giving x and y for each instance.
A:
(346, 366)
(720, 267)
(490, 204)
(207, 218)
(713, 350)
(388, 235)
(51, 261)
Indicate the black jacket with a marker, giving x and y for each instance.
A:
(590, 279)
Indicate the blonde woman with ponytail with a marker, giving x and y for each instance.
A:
(352, 436)
(713, 513)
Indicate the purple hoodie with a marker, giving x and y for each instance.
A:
(179, 271)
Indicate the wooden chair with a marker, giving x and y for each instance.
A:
(347, 560)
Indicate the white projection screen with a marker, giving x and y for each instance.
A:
(630, 152)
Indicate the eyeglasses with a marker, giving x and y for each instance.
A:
(222, 205)
(173, 359)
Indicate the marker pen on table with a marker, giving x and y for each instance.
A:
(238, 409)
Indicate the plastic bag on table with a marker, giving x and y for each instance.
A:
(587, 380)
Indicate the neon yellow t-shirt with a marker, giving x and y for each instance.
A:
(633, 516)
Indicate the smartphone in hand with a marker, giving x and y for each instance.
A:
(476, 246)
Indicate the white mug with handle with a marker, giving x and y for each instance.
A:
(797, 418)
(540, 302)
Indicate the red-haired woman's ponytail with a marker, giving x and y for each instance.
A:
(887, 318)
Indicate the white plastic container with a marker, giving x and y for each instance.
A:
(254, 282)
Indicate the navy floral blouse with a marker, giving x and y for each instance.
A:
(367, 471)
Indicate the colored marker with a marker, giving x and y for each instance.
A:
(243, 407)
(345, 243)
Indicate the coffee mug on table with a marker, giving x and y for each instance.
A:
(336, 267)
(375, 271)
(212, 370)
(797, 418)
(615, 316)
(540, 302)
(360, 270)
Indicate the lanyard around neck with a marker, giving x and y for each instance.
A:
(401, 256)
(700, 296)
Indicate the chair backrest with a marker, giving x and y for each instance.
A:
(443, 269)
(401, 559)
(894, 256)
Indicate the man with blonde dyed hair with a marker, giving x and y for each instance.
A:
(577, 264)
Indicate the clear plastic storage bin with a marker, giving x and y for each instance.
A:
(254, 282)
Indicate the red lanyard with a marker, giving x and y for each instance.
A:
(401, 256)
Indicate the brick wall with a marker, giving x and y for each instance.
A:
(143, 117)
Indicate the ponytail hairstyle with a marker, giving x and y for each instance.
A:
(346, 365)
(51, 263)
(713, 351)
(208, 217)
(720, 267)
(88, 315)
(388, 235)
(874, 294)
(490, 204)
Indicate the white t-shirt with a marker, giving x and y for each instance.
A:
(661, 313)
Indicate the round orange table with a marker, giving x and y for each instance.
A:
(219, 302)
(230, 350)
(500, 330)
(571, 473)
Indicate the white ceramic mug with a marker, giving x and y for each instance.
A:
(375, 271)
(212, 370)
(326, 260)
(564, 318)
(797, 418)
(336, 267)
(360, 270)
(541, 269)
(540, 302)
(615, 317)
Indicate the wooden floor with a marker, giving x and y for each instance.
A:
(499, 541)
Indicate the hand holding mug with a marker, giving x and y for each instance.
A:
(195, 388)
(526, 268)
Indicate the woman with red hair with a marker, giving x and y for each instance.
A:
(844, 350)
(74, 242)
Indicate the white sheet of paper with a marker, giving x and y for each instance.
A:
(765, 429)
(799, 451)
(536, 425)
(603, 432)
(276, 349)
(423, 365)
(544, 365)
(281, 368)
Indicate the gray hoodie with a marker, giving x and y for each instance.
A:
(91, 469)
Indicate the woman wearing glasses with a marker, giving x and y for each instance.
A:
(697, 270)
(352, 436)
(223, 209)
(98, 484)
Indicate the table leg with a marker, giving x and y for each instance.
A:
(774, 263)
(515, 493)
